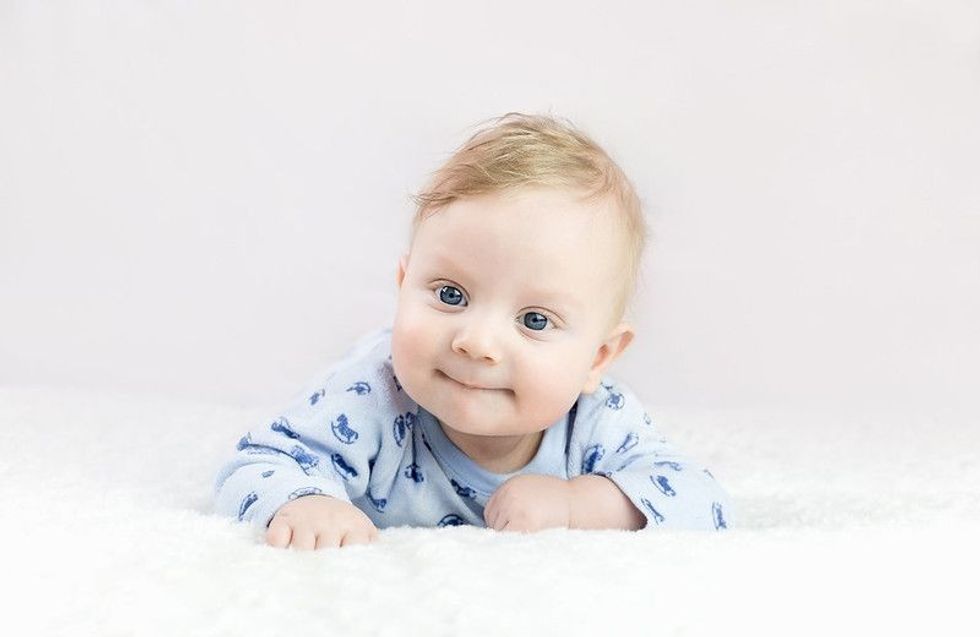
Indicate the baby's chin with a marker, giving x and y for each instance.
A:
(477, 412)
(482, 429)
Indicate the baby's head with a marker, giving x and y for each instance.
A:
(523, 259)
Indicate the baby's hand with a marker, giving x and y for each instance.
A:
(530, 503)
(319, 521)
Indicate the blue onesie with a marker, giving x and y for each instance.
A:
(357, 436)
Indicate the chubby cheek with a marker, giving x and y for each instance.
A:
(549, 391)
(412, 345)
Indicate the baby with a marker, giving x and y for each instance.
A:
(486, 401)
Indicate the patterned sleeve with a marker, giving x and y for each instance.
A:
(325, 443)
(622, 443)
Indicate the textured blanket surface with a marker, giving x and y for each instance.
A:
(852, 523)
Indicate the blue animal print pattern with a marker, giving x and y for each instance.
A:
(378, 504)
(661, 483)
(451, 520)
(657, 518)
(342, 431)
(298, 493)
(414, 472)
(465, 492)
(343, 469)
(615, 400)
(402, 425)
(628, 443)
(592, 456)
(305, 460)
(282, 426)
(249, 500)
(360, 387)
(716, 514)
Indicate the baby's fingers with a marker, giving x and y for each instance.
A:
(490, 513)
(328, 539)
(518, 526)
(500, 520)
(278, 534)
(304, 538)
(358, 537)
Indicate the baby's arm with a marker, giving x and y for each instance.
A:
(597, 503)
(532, 502)
(626, 460)
(624, 475)
(295, 477)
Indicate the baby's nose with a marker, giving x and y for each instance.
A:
(477, 343)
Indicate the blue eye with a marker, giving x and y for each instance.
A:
(537, 323)
(450, 295)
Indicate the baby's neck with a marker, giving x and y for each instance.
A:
(497, 454)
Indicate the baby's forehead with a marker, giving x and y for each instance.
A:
(534, 229)
(546, 231)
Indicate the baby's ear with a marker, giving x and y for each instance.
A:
(402, 266)
(614, 345)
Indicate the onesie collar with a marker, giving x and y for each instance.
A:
(549, 459)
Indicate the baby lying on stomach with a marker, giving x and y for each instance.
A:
(485, 402)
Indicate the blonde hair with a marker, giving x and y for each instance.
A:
(517, 150)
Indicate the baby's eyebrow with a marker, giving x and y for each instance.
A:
(557, 302)
(446, 262)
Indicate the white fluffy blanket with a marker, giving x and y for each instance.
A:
(848, 524)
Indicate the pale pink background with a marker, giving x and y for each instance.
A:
(209, 202)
